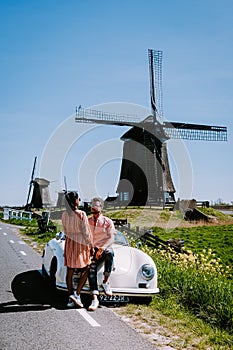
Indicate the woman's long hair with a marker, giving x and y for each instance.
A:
(70, 201)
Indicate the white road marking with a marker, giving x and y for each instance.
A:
(11, 241)
(21, 242)
(5, 234)
(88, 318)
(22, 252)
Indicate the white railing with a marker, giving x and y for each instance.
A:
(10, 213)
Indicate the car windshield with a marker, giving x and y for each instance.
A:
(120, 238)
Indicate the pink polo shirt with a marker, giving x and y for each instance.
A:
(103, 231)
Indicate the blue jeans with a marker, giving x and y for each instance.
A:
(107, 259)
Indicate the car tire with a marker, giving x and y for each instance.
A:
(53, 270)
(29, 287)
(44, 272)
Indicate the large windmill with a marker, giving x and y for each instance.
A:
(145, 177)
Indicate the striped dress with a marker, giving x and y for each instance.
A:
(78, 238)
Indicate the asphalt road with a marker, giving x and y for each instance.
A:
(32, 317)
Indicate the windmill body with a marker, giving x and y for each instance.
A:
(145, 165)
(145, 177)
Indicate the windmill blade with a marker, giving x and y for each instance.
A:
(199, 132)
(65, 183)
(99, 117)
(155, 71)
(31, 181)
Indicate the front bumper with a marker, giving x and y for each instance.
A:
(135, 292)
(130, 292)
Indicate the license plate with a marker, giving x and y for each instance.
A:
(114, 298)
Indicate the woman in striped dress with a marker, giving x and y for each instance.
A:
(77, 244)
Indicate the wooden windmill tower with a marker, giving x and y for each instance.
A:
(145, 177)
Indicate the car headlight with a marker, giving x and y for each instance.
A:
(147, 271)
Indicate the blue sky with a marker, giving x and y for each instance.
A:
(56, 55)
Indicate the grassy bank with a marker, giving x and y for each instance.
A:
(194, 306)
(196, 290)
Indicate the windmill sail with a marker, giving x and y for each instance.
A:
(31, 182)
(155, 73)
(186, 131)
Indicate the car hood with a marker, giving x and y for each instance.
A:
(122, 259)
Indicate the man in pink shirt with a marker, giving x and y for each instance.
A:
(103, 232)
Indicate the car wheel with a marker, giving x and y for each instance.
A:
(53, 270)
(29, 287)
(44, 272)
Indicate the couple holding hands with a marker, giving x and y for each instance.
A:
(87, 245)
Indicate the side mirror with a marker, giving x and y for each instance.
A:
(60, 236)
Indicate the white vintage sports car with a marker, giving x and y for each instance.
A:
(134, 273)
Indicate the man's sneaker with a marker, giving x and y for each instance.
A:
(76, 299)
(107, 289)
(94, 305)
(71, 303)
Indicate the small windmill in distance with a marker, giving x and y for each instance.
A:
(145, 165)
(40, 196)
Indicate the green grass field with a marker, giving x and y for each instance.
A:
(217, 238)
